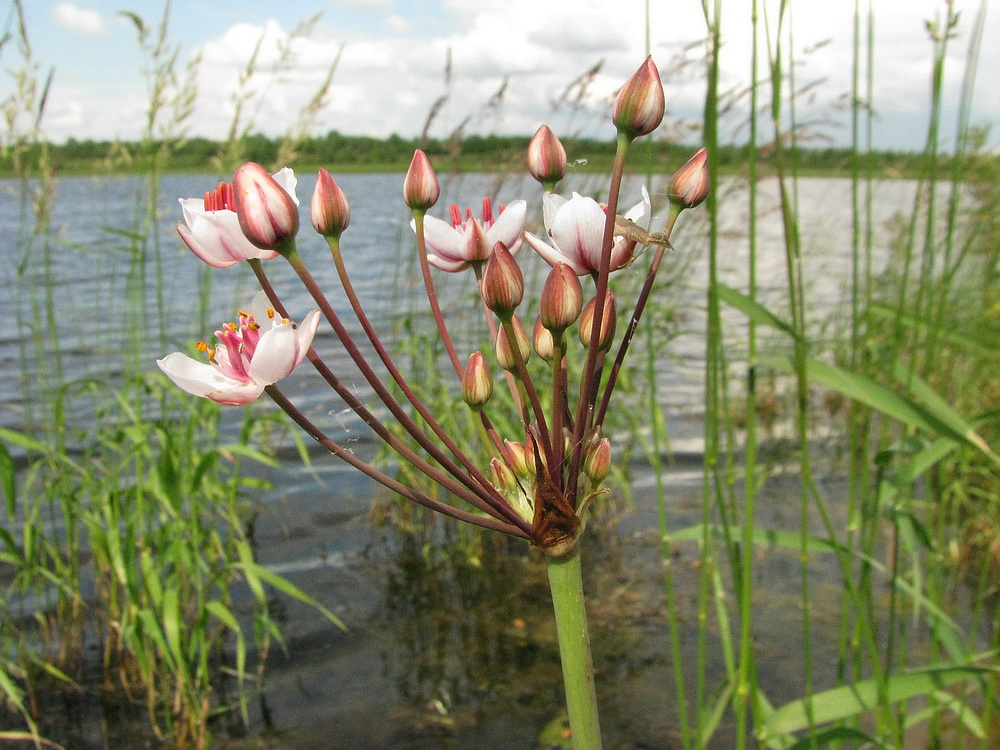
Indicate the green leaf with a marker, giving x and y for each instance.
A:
(8, 486)
(848, 701)
(891, 403)
(260, 573)
(836, 734)
(753, 309)
(940, 408)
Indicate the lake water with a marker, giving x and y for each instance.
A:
(93, 260)
(436, 656)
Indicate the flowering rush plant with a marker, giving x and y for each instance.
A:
(535, 484)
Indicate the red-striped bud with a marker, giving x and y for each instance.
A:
(420, 188)
(545, 345)
(639, 105)
(517, 457)
(546, 157)
(562, 298)
(268, 214)
(597, 461)
(329, 211)
(689, 185)
(608, 322)
(477, 385)
(507, 358)
(503, 284)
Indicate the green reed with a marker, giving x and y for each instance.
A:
(907, 363)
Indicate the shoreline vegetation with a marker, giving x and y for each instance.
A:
(472, 153)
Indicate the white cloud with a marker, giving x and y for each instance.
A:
(396, 24)
(364, 4)
(83, 21)
(392, 72)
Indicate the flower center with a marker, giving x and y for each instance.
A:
(457, 222)
(223, 198)
(240, 343)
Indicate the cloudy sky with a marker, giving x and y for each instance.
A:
(394, 55)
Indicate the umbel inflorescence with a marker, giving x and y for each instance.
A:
(535, 484)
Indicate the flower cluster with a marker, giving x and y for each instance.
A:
(534, 484)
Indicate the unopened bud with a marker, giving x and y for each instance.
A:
(517, 456)
(477, 385)
(268, 214)
(546, 157)
(608, 321)
(562, 298)
(639, 105)
(506, 356)
(420, 188)
(545, 344)
(597, 461)
(502, 477)
(689, 185)
(329, 211)
(534, 456)
(503, 284)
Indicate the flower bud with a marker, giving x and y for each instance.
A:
(420, 188)
(608, 322)
(545, 345)
(546, 157)
(503, 285)
(506, 357)
(502, 477)
(597, 460)
(517, 457)
(268, 215)
(562, 298)
(532, 454)
(329, 211)
(477, 385)
(689, 185)
(639, 105)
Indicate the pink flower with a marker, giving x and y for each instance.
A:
(452, 247)
(258, 351)
(211, 229)
(576, 231)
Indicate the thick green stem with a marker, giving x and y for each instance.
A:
(566, 585)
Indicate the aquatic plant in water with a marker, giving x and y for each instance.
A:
(535, 485)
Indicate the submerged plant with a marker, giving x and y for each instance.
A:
(535, 485)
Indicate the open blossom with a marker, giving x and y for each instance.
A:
(576, 232)
(259, 350)
(452, 246)
(212, 230)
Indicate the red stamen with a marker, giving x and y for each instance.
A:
(456, 217)
(223, 198)
(487, 212)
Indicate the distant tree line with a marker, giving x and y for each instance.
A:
(337, 151)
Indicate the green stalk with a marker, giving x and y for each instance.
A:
(745, 698)
(566, 585)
